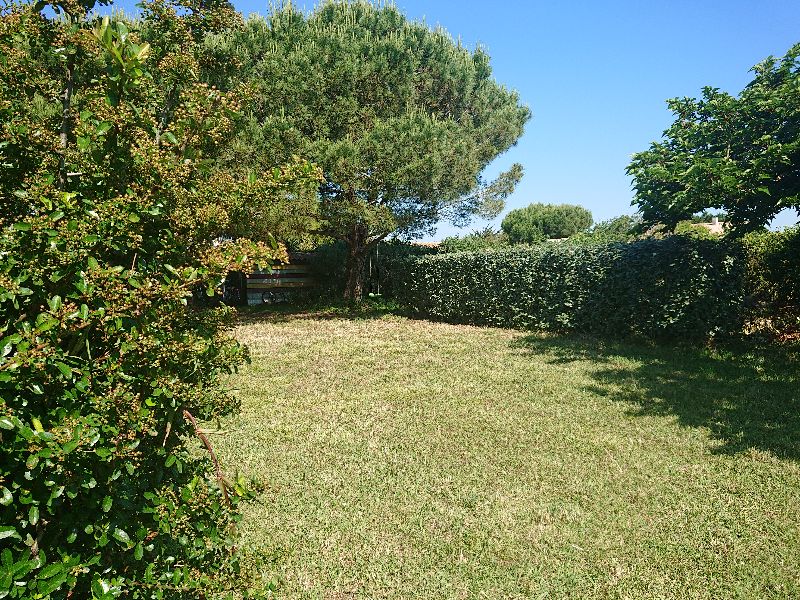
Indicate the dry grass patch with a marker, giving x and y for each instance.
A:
(413, 459)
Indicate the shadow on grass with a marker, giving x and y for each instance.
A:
(744, 400)
(284, 313)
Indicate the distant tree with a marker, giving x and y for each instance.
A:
(624, 225)
(401, 119)
(739, 153)
(538, 222)
(619, 229)
(477, 240)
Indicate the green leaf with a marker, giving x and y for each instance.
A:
(107, 502)
(54, 303)
(100, 588)
(51, 585)
(121, 536)
(45, 322)
(51, 570)
(65, 370)
(5, 496)
(8, 532)
(33, 515)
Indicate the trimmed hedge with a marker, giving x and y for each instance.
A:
(773, 259)
(773, 283)
(653, 288)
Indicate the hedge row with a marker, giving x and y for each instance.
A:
(653, 288)
(773, 266)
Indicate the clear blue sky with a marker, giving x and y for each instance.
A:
(596, 75)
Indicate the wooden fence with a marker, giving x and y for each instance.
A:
(280, 282)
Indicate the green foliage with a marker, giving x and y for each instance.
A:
(477, 240)
(736, 153)
(774, 265)
(773, 276)
(401, 119)
(675, 287)
(619, 229)
(109, 219)
(538, 222)
(250, 200)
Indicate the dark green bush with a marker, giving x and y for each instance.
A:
(773, 265)
(773, 282)
(675, 287)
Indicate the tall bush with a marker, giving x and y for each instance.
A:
(109, 220)
(675, 287)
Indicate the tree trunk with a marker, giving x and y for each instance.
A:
(357, 250)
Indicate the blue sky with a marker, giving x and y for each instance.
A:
(596, 76)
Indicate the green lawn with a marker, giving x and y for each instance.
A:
(408, 459)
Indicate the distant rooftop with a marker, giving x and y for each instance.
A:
(716, 226)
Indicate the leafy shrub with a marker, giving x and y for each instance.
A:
(675, 287)
(105, 230)
(774, 265)
(773, 281)
(538, 222)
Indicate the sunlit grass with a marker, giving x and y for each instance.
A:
(407, 459)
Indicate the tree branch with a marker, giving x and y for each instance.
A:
(223, 484)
